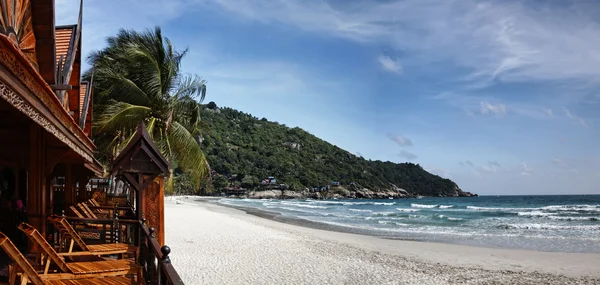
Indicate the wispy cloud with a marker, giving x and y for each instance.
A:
(408, 155)
(525, 169)
(466, 162)
(548, 112)
(497, 41)
(575, 118)
(490, 167)
(390, 64)
(488, 108)
(562, 164)
(400, 140)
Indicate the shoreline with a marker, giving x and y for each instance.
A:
(241, 234)
(423, 237)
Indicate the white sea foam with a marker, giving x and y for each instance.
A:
(360, 210)
(383, 222)
(593, 219)
(535, 214)
(303, 205)
(446, 206)
(587, 208)
(407, 210)
(454, 219)
(422, 206)
(548, 227)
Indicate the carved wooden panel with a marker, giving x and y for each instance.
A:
(153, 207)
(100, 197)
(10, 58)
(16, 24)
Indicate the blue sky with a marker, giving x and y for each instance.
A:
(503, 97)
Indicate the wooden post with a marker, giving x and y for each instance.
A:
(81, 192)
(36, 179)
(69, 186)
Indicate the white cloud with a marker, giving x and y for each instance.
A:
(390, 64)
(525, 170)
(490, 167)
(575, 118)
(499, 40)
(400, 140)
(488, 108)
(557, 162)
(408, 155)
(548, 112)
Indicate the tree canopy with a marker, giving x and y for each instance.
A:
(239, 144)
(137, 78)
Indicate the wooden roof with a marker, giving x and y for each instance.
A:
(141, 156)
(63, 43)
(28, 58)
(82, 94)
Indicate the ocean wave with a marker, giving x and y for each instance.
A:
(501, 209)
(384, 214)
(303, 205)
(553, 208)
(546, 227)
(360, 210)
(591, 219)
(384, 203)
(446, 206)
(578, 208)
(407, 210)
(383, 222)
(535, 214)
(422, 206)
(454, 219)
(299, 210)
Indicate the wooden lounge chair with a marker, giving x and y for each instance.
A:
(28, 273)
(94, 202)
(86, 211)
(94, 226)
(88, 268)
(96, 208)
(65, 228)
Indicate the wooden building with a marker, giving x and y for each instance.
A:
(45, 123)
(45, 132)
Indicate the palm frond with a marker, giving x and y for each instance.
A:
(187, 152)
(122, 116)
(192, 87)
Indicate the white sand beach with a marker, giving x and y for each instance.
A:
(213, 244)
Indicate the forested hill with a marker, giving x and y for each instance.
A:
(253, 149)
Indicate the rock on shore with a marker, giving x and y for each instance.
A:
(343, 193)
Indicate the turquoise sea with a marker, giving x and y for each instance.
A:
(566, 223)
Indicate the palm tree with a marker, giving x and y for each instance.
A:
(137, 78)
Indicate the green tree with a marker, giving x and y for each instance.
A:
(137, 78)
(184, 185)
(250, 181)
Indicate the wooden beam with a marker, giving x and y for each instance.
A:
(44, 29)
(56, 87)
(36, 180)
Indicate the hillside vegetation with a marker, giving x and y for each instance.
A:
(239, 144)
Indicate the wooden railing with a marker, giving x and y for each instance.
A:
(153, 258)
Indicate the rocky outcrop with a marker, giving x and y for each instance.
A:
(268, 194)
(352, 192)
